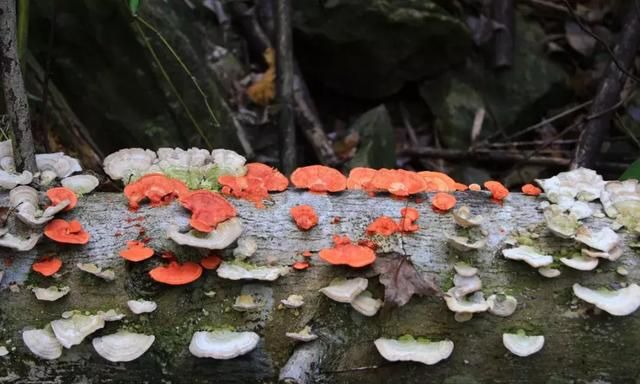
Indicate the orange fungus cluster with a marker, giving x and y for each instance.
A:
(255, 185)
(156, 187)
(304, 216)
(208, 209)
(346, 253)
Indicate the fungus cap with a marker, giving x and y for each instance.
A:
(464, 269)
(59, 194)
(128, 162)
(91, 268)
(613, 254)
(438, 182)
(224, 235)
(222, 344)
(548, 272)
(142, 306)
(293, 301)
(246, 247)
(383, 226)
(463, 217)
(580, 262)
(243, 271)
(581, 183)
(136, 251)
(360, 178)
(18, 243)
(73, 330)
(407, 348)
(42, 343)
(208, 209)
(398, 182)
(65, 232)
(529, 255)
(443, 201)
(462, 243)
(245, 303)
(211, 262)
(80, 184)
(366, 304)
(47, 266)
(122, 346)
(618, 193)
(465, 285)
(304, 216)
(622, 302)
(52, 293)
(531, 190)
(522, 345)
(345, 253)
(303, 335)
(230, 162)
(176, 274)
(603, 240)
(319, 178)
(59, 163)
(498, 191)
(502, 305)
(11, 180)
(559, 223)
(345, 290)
(472, 303)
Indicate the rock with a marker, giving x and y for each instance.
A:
(390, 44)
(514, 97)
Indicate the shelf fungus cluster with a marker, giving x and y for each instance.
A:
(72, 329)
(353, 291)
(465, 297)
(471, 237)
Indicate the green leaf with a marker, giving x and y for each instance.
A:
(133, 6)
(377, 140)
(633, 172)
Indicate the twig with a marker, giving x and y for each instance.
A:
(612, 54)
(608, 94)
(182, 65)
(15, 95)
(550, 5)
(478, 120)
(166, 77)
(504, 13)
(284, 86)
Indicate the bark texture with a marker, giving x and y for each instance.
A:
(15, 95)
(581, 346)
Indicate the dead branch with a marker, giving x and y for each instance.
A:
(504, 13)
(284, 86)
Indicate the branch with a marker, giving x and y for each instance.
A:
(608, 93)
(15, 96)
(503, 13)
(284, 86)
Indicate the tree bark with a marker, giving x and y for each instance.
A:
(284, 86)
(15, 95)
(581, 346)
(608, 94)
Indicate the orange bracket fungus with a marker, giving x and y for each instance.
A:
(255, 185)
(360, 178)
(398, 182)
(208, 209)
(136, 251)
(443, 201)
(47, 266)
(65, 232)
(59, 194)
(498, 191)
(531, 190)
(474, 187)
(438, 182)
(304, 216)
(300, 265)
(384, 226)
(409, 217)
(156, 187)
(176, 274)
(319, 178)
(346, 253)
(211, 262)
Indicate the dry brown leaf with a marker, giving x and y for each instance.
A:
(402, 280)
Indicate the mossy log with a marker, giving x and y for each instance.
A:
(581, 345)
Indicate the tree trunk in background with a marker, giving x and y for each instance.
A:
(284, 86)
(15, 95)
(581, 346)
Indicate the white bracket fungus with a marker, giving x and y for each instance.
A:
(603, 240)
(106, 274)
(293, 301)
(559, 223)
(122, 345)
(464, 269)
(462, 243)
(73, 330)
(622, 302)
(11, 180)
(59, 163)
(581, 183)
(406, 348)
(242, 271)
(619, 192)
(245, 303)
(141, 306)
(463, 218)
(529, 255)
(247, 246)
(522, 345)
(18, 243)
(580, 262)
(613, 255)
(465, 285)
(128, 162)
(42, 343)
(472, 304)
(366, 304)
(303, 335)
(52, 293)
(222, 344)
(229, 162)
(502, 305)
(225, 233)
(548, 272)
(345, 290)
(80, 184)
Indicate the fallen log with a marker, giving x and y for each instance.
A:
(581, 345)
